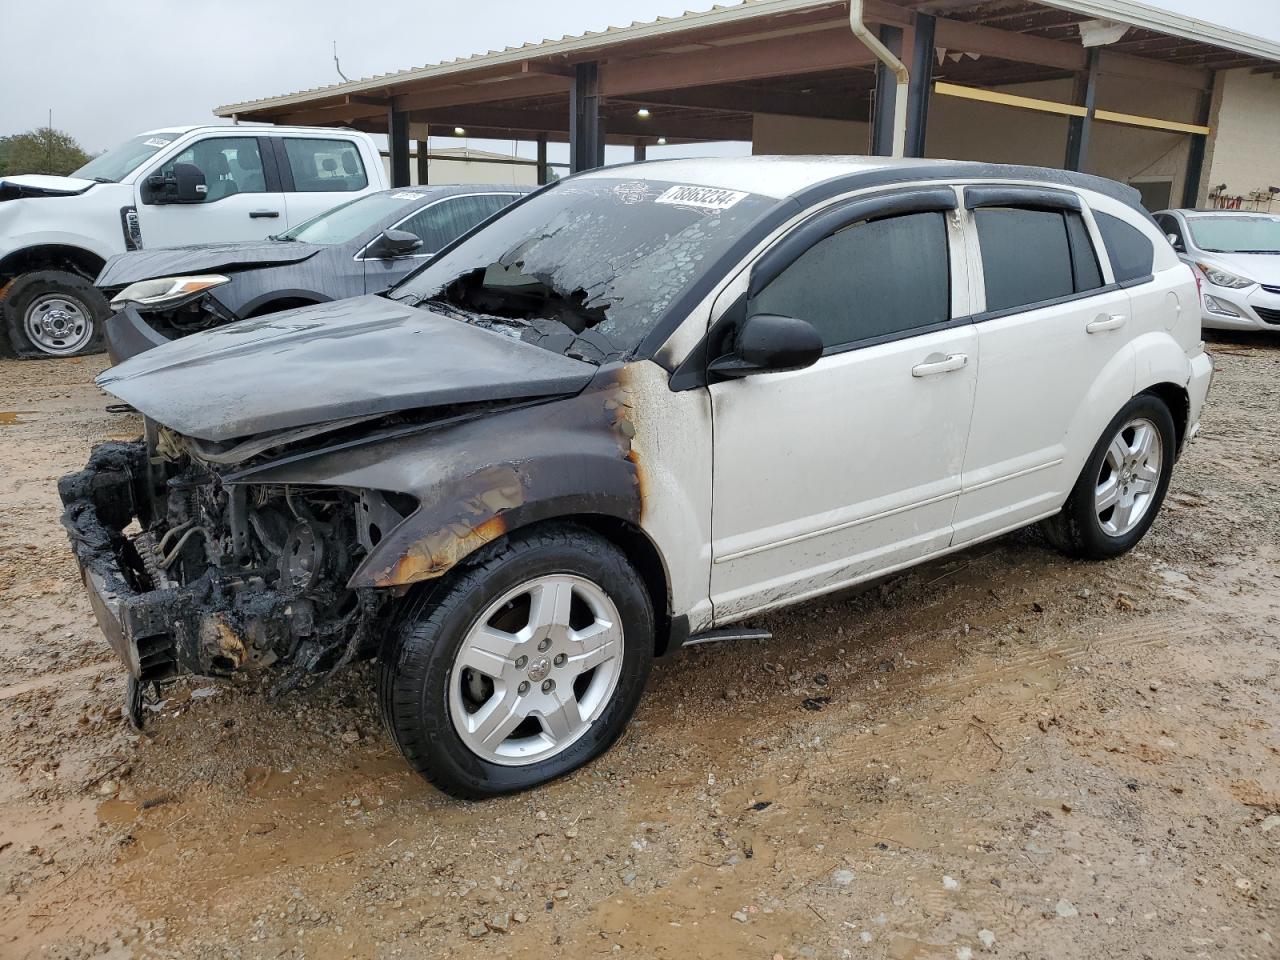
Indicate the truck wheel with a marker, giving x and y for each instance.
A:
(53, 313)
(1120, 490)
(522, 667)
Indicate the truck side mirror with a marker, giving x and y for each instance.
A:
(184, 184)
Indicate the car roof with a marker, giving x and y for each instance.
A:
(808, 178)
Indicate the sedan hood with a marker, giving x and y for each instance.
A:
(349, 358)
(1262, 267)
(203, 258)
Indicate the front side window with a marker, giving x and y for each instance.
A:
(587, 267)
(872, 280)
(1132, 254)
(1169, 224)
(119, 162)
(445, 221)
(1034, 256)
(230, 165)
(325, 166)
(1260, 234)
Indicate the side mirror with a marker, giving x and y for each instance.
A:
(770, 343)
(393, 243)
(185, 184)
(1174, 241)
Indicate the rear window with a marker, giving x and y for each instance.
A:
(1032, 256)
(1132, 254)
(324, 166)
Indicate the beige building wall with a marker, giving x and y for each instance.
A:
(971, 130)
(1244, 150)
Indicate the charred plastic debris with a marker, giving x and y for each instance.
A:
(198, 561)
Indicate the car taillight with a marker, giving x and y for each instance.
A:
(1195, 275)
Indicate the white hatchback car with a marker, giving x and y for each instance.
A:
(633, 410)
(1238, 255)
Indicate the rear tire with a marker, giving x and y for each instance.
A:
(521, 667)
(49, 314)
(1122, 486)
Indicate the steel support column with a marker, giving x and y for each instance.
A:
(886, 91)
(586, 130)
(398, 146)
(920, 86)
(542, 159)
(424, 148)
(1196, 151)
(638, 151)
(1079, 129)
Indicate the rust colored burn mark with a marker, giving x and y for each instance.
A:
(479, 520)
(221, 638)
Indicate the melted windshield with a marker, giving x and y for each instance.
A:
(117, 163)
(353, 218)
(1259, 234)
(589, 266)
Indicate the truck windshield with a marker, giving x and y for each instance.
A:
(119, 162)
(347, 221)
(587, 267)
(1259, 234)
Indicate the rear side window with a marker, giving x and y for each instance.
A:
(325, 166)
(1032, 256)
(1132, 254)
(872, 280)
(443, 222)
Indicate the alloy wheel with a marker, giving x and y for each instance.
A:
(1128, 478)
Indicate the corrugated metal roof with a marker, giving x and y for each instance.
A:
(1123, 11)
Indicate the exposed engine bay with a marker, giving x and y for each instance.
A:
(212, 577)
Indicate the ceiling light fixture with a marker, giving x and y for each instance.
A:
(643, 113)
(459, 132)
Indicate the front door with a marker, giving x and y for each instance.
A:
(242, 201)
(851, 467)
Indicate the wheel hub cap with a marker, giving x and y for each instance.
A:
(58, 325)
(1128, 478)
(536, 670)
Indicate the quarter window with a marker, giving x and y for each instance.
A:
(1033, 256)
(1132, 254)
(872, 280)
(324, 166)
(230, 165)
(443, 222)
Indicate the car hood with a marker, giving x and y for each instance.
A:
(203, 258)
(40, 185)
(1262, 267)
(350, 358)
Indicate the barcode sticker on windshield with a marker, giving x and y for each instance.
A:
(156, 142)
(709, 198)
(405, 196)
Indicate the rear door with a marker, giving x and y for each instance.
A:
(1054, 334)
(437, 224)
(851, 467)
(242, 200)
(318, 173)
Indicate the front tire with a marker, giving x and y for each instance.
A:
(49, 314)
(1120, 490)
(521, 667)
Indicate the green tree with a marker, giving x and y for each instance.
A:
(44, 150)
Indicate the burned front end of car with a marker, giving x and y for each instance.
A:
(188, 572)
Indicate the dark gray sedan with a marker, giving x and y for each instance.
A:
(364, 246)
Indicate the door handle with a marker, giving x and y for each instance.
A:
(936, 363)
(1105, 321)
(260, 214)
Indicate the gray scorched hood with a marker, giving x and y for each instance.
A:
(202, 258)
(350, 358)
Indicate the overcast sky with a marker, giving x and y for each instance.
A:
(111, 68)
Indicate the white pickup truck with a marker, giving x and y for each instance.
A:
(163, 188)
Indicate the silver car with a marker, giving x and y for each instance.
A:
(1236, 257)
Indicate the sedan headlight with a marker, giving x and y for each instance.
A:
(1221, 278)
(166, 290)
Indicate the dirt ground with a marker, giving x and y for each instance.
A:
(1002, 754)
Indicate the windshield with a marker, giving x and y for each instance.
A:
(1259, 234)
(589, 266)
(353, 218)
(115, 164)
